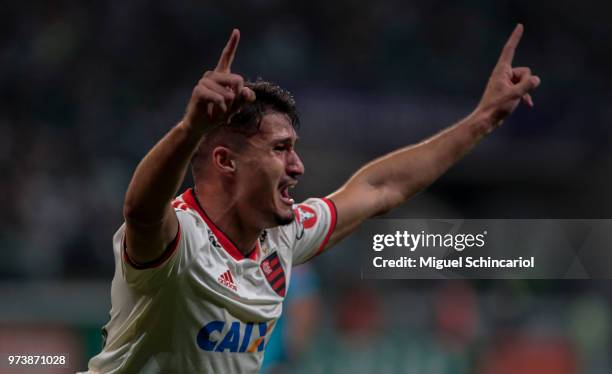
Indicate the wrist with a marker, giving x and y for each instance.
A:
(484, 121)
(193, 130)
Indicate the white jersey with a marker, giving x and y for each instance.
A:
(203, 306)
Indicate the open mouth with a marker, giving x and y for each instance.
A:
(284, 194)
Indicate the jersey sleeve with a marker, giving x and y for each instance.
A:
(151, 275)
(315, 220)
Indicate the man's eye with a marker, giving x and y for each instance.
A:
(280, 148)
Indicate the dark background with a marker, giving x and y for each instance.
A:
(87, 88)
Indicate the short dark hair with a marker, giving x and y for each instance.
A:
(247, 122)
(269, 97)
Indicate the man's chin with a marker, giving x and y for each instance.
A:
(285, 219)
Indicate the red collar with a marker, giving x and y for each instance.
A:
(191, 200)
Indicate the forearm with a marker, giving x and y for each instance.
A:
(159, 175)
(151, 223)
(401, 174)
(392, 179)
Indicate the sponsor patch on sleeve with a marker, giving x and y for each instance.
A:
(306, 216)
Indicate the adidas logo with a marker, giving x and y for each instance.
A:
(227, 280)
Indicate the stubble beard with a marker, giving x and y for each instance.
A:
(282, 220)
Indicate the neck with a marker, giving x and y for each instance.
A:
(222, 210)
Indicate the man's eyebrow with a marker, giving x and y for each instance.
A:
(285, 139)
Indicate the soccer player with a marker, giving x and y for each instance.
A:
(200, 280)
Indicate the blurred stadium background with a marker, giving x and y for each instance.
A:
(86, 88)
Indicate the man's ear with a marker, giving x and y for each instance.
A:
(224, 160)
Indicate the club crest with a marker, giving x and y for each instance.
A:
(274, 273)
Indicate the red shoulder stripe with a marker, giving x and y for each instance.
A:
(332, 225)
(170, 249)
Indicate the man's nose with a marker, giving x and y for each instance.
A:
(295, 167)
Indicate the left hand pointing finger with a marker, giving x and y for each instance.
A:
(507, 54)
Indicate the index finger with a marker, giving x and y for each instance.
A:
(227, 56)
(508, 52)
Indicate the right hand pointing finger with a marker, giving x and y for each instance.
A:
(222, 71)
(214, 98)
(227, 56)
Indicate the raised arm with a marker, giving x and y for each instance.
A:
(151, 223)
(384, 183)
